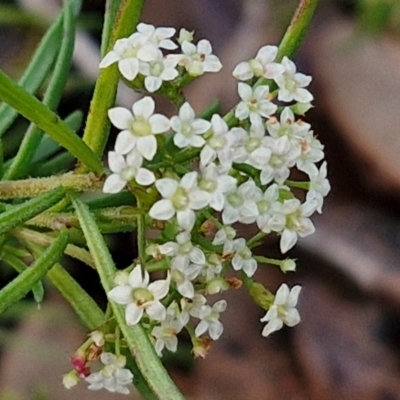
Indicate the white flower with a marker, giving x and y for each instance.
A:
(113, 376)
(183, 274)
(312, 151)
(128, 52)
(319, 187)
(183, 251)
(198, 59)
(283, 310)
(139, 127)
(216, 184)
(191, 307)
(158, 36)
(261, 208)
(180, 198)
(156, 72)
(250, 148)
(188, 128)
(234, 201)
(255, 103)
(225, 237)
(124, 170)
(139, 296)
(166, 334)
(209, 317)
(243, 260)
(261, 66)
(296, 222)
(220, 144)
(291, 84)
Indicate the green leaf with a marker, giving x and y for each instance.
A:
(21, 285)
(13, 261)
(32, 109)
(20, 165)
(138, 342)
(27, 210)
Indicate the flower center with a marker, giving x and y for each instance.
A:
(263, 206)
(235, 200)
(128, 173)
(208, 185)
(180, 199)
(141, 127)
(217, 142)
(256, 67)
(156, 69)
(177, 276)
(186, 129)
(252, 144)
(142, 296)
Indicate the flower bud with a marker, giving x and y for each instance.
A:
(70, 380)
(288, 265)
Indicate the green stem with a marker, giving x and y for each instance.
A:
(43, 239)
(297, 29)
(138, 342)
(97, 125)
(35, 187)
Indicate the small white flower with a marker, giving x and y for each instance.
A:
(166, 334)
(139, 127)
(261, 66)
(216, 184)
(225, 236)
(113, 376)
(319, 187)
(283, 310)
(124, 170)
(220, 144)
(139, 296)
(234, 201)
(312, 151)
(255, 103)
(188, 128)
(156, 72)
(291, 84)
(209, 317)
(158, 36)
(191, 307)
(297, 222)
(180, 198)
(198, 59)
(243, 258)
(128, 52)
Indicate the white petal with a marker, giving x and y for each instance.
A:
(186, 112)
(162, 210)
(113, 184)
(125, 142)
(116, 161)
(245, 91)
(200, 126)
(152, 83)
(133, 314)
(147, 146)
(136, 278)
(288, 240)
(156, 311)
(199, 199)
(144, 107)
(145, 177)
(129, 68)
(121, 294)
(242, 71)
(110, 58)
(272, 326)
(201, 328)
(186, 219)
(120, 117)
(181, 141)
(159, 288)
(159, 123)
(167, 186)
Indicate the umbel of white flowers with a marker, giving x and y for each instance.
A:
(242, 178)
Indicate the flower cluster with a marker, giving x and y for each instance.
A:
(198, 179)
